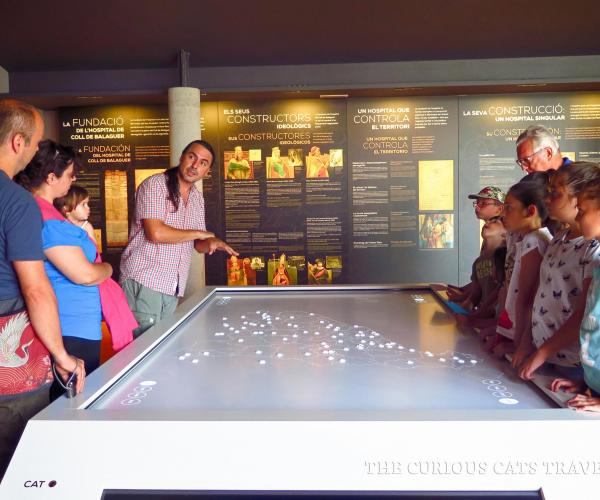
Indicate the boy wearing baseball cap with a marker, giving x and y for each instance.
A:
(489, 204)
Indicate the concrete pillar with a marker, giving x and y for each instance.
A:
(184, 123)
(51, 125)
(3, 81)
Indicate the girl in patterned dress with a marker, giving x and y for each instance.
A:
(587, 390)
(525, 215)
(565, 275)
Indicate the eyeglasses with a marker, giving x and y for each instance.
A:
(522, 162)
(481, 204)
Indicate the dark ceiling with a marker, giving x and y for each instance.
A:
(117, 34)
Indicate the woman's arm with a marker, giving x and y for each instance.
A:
(71, 261)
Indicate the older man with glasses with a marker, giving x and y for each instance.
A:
(538, 151)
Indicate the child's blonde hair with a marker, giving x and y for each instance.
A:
(69, 202)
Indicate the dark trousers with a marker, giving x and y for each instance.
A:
(88, 350)
(15, 411)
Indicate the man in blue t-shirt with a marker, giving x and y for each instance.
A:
(29, 324)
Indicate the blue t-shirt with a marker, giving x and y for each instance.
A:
(20, 233)
(589, 334)
(79, 306)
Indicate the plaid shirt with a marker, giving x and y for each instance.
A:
(162, 267)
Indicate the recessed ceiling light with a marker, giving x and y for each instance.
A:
(333, 96)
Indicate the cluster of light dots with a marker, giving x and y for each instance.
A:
(319, 337)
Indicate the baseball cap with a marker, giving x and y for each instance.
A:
(490, 193)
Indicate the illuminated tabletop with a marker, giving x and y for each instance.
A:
(348, 388)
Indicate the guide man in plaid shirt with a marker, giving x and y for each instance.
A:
(168, 225)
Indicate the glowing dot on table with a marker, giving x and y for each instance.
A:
(219, 334)
(443, 360)
(206, 353)
(257, 312)
(236, 331)
(225, 325)
(225, 318)
(390, 346)
(240, 340)
(243, 317)
(258, 351)
(295, 326)
(461, 361)
(429, 354)
(455, 358)
(307, 353)
(148, 382)
(340, 341)
(346, 349)
(231, 328)
(262, 362)
(322, 321)
(355, 326)
(341, 334)
(316, 333)
(372, 342)
(295, 335)
(411, 350)
(262, 325)
(273, 333)
(285, 339)
(474, 361)
(291, 317)
(330, 358)
(409, 362)
(289, 324)
(243, 327)
(280, 355)
(187, 354)
(381, 346)
(311, 314)
(305, 331)
(342, 360)
(360, 347)
(181, 358)
(195, 361)
(334, 336)
(508, 401)
(400, 347)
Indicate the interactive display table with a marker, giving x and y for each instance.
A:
(347, 389)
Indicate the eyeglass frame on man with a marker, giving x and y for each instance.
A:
(527, 160)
